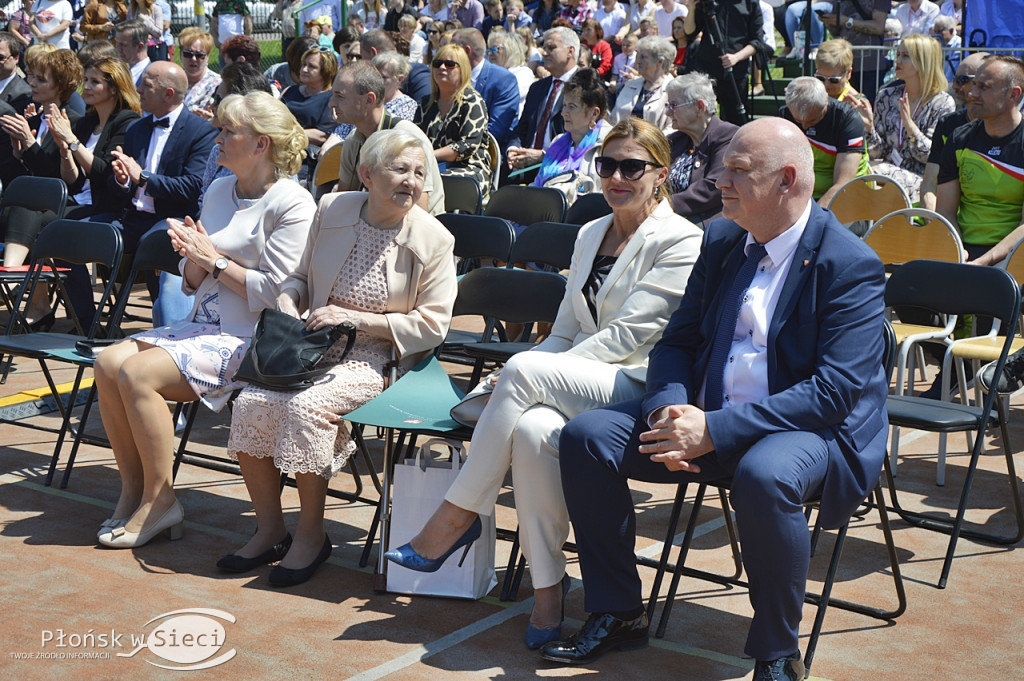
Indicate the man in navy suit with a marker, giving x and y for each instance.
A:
(496, 85)
(13, 88)
(535, 130)
(769, 373)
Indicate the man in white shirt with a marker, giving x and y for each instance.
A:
(51, 22)
(130, 42)
(917, 16)
(665, 14)
(614, 22)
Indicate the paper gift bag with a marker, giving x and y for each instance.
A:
(420, 484)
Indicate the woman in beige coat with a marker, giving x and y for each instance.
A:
(379, 262)
(627, 275)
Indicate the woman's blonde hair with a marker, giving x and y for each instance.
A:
(328, 65)
(190, 34)
(264, 115)
(835, 54)
(34, 52)
(458, 55)
(926, 56)
(515, 50)
(648, 136)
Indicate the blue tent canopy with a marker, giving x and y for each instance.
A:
(994, 23)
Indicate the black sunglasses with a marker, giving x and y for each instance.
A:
(433, 30)
(962, 80)
(630, 168)
(447, 63)
(189, 54)
(835, 80)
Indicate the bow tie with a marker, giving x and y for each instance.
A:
(162, 123)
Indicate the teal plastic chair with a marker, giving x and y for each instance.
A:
(419, 403)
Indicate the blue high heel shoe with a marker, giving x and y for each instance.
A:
(535, 637)
(405, 556)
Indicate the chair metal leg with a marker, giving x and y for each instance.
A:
(65, 424)
(684, 549)
(666, 549)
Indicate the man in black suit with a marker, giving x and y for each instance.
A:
(541, 120)
(13, 88)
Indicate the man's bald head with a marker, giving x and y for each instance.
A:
(169, 76)
(965, 71)
(162, 88)
(782, 143)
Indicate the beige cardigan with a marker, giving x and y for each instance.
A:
(420, 272)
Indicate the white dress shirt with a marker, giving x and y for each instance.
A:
(920, 21)
(746, 370)
(142, 201)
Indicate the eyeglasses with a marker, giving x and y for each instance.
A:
(962, 80)
(189, 54)
(432, 30)
(495, 49)
(671, 106)
(835, 80)
(629, 168)
(447, 63)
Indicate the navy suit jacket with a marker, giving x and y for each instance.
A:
(536, 98)
(176, 184)
(500, 91)
(417, 83)
(825, 347)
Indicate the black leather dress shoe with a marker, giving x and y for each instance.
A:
(600, 633)
(235, 563)
(783, 669)
(282, 576)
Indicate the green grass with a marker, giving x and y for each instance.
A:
(270, 54)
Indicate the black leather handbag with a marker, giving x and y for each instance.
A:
(284, 356)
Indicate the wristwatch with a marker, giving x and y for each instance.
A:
(219, 266)
(849, 23)
(143, 178)
(74, 146)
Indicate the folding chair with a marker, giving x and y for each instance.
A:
(867, 198)
(37, 194)
(587, 208)
(549, 244)
(525, 205)
(81, 243)
(897, 238)
(478, 236)
(494, 154)
(823, 600)
(956, 289)
(327, 171)
(461, 194)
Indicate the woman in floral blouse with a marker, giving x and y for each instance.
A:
(455, 118)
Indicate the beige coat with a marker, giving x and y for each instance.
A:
(642, 290)
(420, 272)
(654, 110)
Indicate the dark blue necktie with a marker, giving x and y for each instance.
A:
(713, 386)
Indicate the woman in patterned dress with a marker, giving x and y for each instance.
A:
(235, 258)
(379, 262)
(455, 118)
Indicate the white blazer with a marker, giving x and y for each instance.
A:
(267, 238)
(654, 109)
(635, 301)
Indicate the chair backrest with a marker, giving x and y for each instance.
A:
(510, 295)
(890, 347)
(587, 208)
(461, 194)
(1014, 263)
(956, 289)
(154, 253)
(527, 205)
(479, 236)
(494, 153)
(914, 234)
(546, 243)
(328, 166)
(36, 193)
(868, 197)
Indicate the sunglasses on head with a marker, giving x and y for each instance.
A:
(629, 168)
(189, 54)
(962, 80)
(835, 80)
(447, 63)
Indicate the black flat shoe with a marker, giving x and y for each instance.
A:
(600, 633)
(282, 576)
(235, 563)
(44, 323)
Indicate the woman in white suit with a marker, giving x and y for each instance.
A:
(644, 96)
(381, 263)
(627, 276)
(235, 258)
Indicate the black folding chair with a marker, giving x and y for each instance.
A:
(461, 194)
(587, 208)
(526, 205)
(822, 600)
(955, 289)
(478, 237)
(80, 243)
(548, 244)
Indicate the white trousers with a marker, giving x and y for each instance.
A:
(537, 393)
